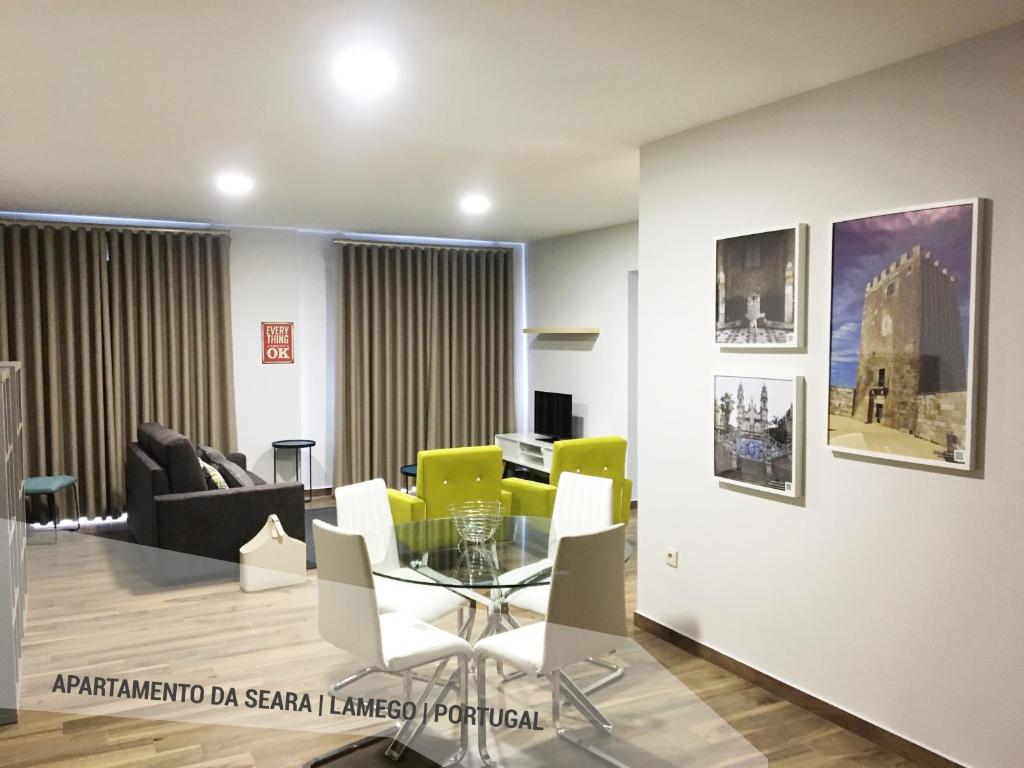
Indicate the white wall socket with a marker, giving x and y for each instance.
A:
(672, 558)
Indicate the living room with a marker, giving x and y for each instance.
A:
(336, 337)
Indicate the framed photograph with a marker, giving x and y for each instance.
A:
(759, 289)
(904, 321)
(759, 429)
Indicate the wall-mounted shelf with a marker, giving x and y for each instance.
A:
(562, 331)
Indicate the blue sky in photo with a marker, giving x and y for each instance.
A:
(862, 248)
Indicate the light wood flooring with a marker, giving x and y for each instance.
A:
(83, 617)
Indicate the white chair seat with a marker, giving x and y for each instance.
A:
(533, 599)
(408, 642)
(521, 648)
(426, 603)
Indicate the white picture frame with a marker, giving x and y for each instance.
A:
(729, 465)
(960, 451)
(731, 316)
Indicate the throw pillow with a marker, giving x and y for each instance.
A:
(214, 479)
(235, 476)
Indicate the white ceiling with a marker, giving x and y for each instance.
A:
(130, 108)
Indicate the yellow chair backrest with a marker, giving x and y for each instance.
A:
(447, 476)
(598, 457)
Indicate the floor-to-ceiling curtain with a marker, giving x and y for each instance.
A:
(424, 353)
(115, 327)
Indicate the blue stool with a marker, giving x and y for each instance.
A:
(50, 485)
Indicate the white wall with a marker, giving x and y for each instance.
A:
(582, 280)
(282, 275)
(893, 592)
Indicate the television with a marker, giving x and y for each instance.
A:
(552, 415)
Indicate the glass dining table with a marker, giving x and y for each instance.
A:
(432, 553)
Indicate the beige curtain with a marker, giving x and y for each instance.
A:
(424, 353)
(115, 327)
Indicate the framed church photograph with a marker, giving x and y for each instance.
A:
(902, 356)
(759, 289)
(759, 433)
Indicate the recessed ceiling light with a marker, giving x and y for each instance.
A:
(365, 71)
(475, 203)
(234, 184)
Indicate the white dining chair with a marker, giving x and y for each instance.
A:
(364, 507)
(583, 504)
(393, 643)
(586, 617)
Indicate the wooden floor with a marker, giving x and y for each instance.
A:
(210, 633)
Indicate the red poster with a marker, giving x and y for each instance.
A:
(278, 342)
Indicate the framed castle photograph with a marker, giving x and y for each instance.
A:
(759, 433)
(904, 316)
(759, 289)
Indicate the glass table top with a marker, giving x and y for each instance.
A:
(431, 552)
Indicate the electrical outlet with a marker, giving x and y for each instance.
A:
(672, 558)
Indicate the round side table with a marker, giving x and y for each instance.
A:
(297, 446)
(409, 473)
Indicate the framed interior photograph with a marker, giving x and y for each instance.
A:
(759, 433)
(902, 346)
(759, 289)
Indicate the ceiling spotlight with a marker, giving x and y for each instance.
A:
(475, 203)
(234, 184)
(365, 71)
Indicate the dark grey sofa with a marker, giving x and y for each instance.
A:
(187, 530)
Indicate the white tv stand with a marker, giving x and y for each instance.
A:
(525, 449)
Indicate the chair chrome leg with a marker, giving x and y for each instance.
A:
(407, 685)
(463, 674)
(492, 627)
(411, 728)
(501, 669)
(585, 706)
(616, 673)
(561, 684)
(466, 626)
(481, 700)
(556, 701)
(334, 689)
(400, 741)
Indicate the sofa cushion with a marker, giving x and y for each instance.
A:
(176, 454)
(214, 479)
(235, 476)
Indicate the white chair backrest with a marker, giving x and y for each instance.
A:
(587, 604)
(582, 504)
(364, 507)
(345, 591)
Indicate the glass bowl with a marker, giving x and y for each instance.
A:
(476, 521)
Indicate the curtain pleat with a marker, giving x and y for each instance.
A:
(424, 353)
(114, 328)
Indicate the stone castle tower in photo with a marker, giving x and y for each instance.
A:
(911, 371)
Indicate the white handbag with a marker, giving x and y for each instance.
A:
(272, 559)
